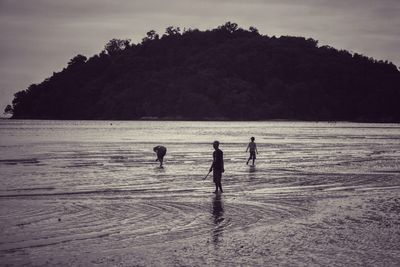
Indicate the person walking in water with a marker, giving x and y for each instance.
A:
(253, 150)
(160, 151)
(217, 166)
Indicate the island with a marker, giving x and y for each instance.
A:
(226, 73)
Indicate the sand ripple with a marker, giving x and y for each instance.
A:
(319, 195)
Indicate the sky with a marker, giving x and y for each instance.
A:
(39, 37)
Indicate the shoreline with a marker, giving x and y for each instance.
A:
(205, 120)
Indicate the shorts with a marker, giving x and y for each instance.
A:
(217, 175)
(253, 155)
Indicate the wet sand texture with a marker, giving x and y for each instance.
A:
(91, 193)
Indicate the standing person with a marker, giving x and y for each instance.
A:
(253, 150)
(161, 151)
(217, 166)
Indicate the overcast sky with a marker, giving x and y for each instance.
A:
(38, 37)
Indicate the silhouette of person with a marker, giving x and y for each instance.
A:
(161, 151)
(253, 150)
(217, 166)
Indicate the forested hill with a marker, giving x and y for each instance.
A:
(225, 73)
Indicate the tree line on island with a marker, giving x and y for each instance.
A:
(224, 73)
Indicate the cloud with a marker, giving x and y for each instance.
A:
(40, 36)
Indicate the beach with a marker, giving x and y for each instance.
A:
(86, 193)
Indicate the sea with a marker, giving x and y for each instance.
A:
(90, 193)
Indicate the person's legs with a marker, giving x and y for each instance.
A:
(217, 180)
(220, 186)
(160, 158)
(253, 156)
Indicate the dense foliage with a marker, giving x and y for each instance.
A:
(224, 73)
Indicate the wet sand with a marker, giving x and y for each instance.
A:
(319, 195)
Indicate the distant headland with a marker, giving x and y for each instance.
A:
(225, 73)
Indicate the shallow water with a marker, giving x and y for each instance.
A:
(90, 193)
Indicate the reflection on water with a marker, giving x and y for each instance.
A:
(159, 169)
(252, 169)
(217, 218)
(91, 193)
(252, 172)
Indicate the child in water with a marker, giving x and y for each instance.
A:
(160, 151)
(253, 150)
(217, 166)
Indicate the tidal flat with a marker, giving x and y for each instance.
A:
(86, 193)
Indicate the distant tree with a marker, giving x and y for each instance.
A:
(77, 60)
(229, 26)
(8, 110)
(253, 29)
(170, 31)
(116, 45)
(312, 42)
(151, 35)
(190, 30)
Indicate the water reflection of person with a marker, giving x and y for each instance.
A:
(252, 173)
(218, 218)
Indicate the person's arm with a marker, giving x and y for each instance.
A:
(212, 164)
(156, 151)
(248, 146)
(222, 159)
(256, 148)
